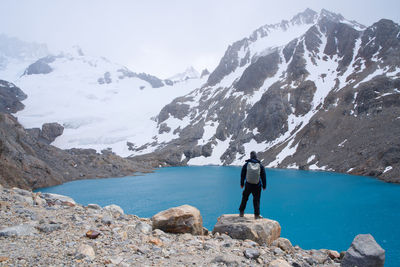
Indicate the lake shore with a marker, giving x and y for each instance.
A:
(55, 232)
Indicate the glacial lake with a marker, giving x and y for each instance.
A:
(315, 209)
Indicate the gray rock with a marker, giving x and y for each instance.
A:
(279, 263)
(19, 230)
(24, 199)
(93, 207)
(41, 66)
(251, 253)
(11, 97)
(114, 209)
(85, 251)
(107, 219)
(22, 192)
(48, 228)
(262, 231)
(283, 244)
(143, 227)
(54, 197)
(225, 260)
(50, 131)
(365, 252)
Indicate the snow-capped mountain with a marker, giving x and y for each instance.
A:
(314, 92)
(101, 104)
(15, 55)
(189, 73)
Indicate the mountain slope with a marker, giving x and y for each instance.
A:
(100, 104)
(315, 92)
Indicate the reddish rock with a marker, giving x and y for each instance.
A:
(92, 234)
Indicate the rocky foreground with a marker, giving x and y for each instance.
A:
(52, 230)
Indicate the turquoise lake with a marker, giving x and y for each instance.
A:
(315, 209)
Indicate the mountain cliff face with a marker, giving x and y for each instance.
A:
(316, 92)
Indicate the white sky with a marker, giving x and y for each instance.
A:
(163, 37)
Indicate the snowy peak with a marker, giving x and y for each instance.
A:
(268, 38)
(308, 16)
(189, 73)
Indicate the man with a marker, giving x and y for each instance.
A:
(254, 174)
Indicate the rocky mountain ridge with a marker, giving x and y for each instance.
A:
(317, 92)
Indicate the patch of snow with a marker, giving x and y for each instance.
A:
(287, 151)
(215, 158)
(293, 166)
(350, 69)
(377, 72)
(349, 170)
(388, 168)
(342, 143)
(314, 167)
(311, 158)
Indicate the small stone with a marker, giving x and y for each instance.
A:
(92, 234)
(205, 231)
(251, 253)
(2, 259)
(225, 260)
(93, 207)
(283, 244)
(116, 260)
(278, 251)
(48, 228)
(56, 197)
(85, 251)
(208, 246)
(250, 243)
(114, 209)
(143, 227)
(279, 263)
(107, 220)
(320, 256)
(156, 241)
(158, 232)
(333, 254)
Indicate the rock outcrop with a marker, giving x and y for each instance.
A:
(11, 97)
(262, 231)
(27, 162)
(50, 232)
(364, 251)
(182, 219)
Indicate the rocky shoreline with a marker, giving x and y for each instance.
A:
(52, 230)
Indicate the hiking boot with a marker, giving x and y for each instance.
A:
(241, 214)
(258, 217)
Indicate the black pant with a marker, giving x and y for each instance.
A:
(255, 190)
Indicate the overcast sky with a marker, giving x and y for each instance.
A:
(163, 37)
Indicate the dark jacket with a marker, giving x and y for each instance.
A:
(263, 180)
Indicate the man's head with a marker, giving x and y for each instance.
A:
(253, 155)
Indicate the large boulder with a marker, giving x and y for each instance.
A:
(364, 251)
(260, 230)
(58, 199)
(182, 219)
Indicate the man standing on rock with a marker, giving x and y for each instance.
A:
(252, 171)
